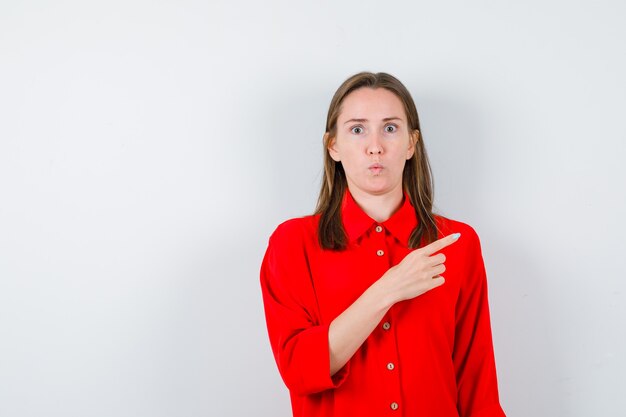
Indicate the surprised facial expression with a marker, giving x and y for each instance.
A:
(373, 141)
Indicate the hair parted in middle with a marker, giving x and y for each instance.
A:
(416, 178)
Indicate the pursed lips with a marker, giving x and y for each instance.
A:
(375, 168)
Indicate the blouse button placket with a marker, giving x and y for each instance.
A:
(391, 379)
(379, 242)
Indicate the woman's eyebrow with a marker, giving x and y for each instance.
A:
(386, 119)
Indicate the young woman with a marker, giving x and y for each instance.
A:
(360, 317)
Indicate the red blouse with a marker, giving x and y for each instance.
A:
(429, 356)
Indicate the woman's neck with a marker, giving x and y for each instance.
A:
(379, 207)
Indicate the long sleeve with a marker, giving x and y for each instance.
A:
(473, 348)
(298, 340)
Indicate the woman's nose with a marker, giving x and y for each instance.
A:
(375, 145)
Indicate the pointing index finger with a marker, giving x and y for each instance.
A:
(437, 245)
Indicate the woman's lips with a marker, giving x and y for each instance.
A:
(375, 168)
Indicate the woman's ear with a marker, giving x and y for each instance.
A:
(331, 143)
(414, 137)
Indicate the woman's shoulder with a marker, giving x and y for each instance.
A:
(296, 229)
(468, 246)
(446, 226)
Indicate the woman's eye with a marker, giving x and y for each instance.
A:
(357, 130)
(390, 128)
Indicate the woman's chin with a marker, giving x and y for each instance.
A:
(376, 187)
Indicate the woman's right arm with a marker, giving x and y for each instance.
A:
(416, 274)
(298, 336)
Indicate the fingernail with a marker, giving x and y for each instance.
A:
(456, 236)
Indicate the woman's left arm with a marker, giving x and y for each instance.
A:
(473, 356)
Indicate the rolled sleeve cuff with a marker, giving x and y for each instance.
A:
(314, 375)
(494, 410)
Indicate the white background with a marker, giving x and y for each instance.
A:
(149, 148)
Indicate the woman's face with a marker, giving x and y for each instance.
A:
(373, 141)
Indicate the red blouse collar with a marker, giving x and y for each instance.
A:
(356, 221)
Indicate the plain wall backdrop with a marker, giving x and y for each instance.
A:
(149, 148)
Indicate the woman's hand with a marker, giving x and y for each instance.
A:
(418, 272)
